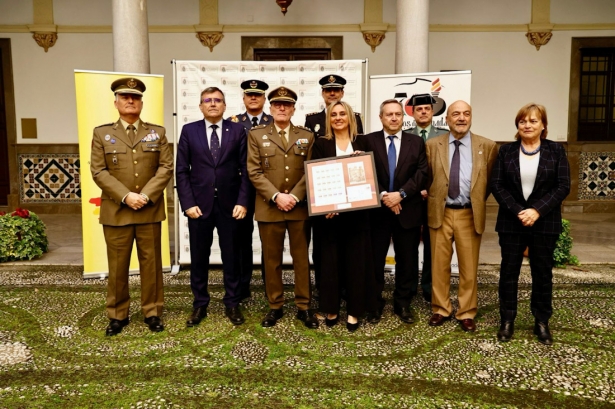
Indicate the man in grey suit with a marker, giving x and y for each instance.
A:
(422, 112)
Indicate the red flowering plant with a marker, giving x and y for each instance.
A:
(22, 236)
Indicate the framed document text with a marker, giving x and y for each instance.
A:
(341, 184)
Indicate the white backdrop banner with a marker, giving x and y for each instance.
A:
(191, 77)
(445, 87)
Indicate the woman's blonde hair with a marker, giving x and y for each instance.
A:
(352, 122)
(532, 108)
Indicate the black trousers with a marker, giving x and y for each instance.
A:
(385, 226)
(201, 237)
(541, 249)
(244, 237)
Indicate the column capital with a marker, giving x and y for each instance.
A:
(45, 35)
(373, 34)
(210, 39)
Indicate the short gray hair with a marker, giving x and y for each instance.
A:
(390, 101)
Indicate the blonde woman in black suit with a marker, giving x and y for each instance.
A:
(530, 180)
(344, 237)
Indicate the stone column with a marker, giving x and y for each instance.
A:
(412, 37)
(130, 36)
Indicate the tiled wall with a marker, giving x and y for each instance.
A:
(596, 176)
(49, 178)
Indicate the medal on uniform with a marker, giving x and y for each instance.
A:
(266, 144)
(107, 137)
(112, 140)
(265, 137)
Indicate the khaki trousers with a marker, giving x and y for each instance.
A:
(272, 236)
(119, 241)
(457, 226)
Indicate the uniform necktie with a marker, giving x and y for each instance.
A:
(215, 143)
(392, 161)
(453, 184)
(283, 137)
(131, 133)
(254, 121)
(424, 135)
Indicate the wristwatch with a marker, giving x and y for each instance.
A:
(402, 193)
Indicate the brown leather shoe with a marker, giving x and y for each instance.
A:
(436, 320)
(468, 325)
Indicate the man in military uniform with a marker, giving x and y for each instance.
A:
(332, 91)
(254, 100)
(276, 154)
(132, 163)
(422, 111)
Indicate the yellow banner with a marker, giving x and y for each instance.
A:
(95, 107)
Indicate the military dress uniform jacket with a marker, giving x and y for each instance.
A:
(433, 132)
(316, 123)
(120, 166)
(244, 119)
(272, 168)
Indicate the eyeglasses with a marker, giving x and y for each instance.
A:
(210, 100)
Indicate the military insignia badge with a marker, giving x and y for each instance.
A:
(234, 118)
(317, 128)
(243, 118)
(266, 144)
(331, 79)
(265, 137)
(265, 118)
(253, 84)
(107, 137)
(282, 92)
(131, 83)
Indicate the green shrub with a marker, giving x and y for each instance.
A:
(22, 236)
(561, 255)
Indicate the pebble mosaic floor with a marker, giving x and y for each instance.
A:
(53, 351)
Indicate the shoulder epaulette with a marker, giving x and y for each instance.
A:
(234, 118)
(303, 127)
(259, 127)
(151, 124)
(109, 124)
(313, 113)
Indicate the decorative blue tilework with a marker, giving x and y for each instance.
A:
(49, 178)
(597, 176)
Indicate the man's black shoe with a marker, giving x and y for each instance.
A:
(272, 317)
(197, 315)
(235, 316)
(308, 319)
(154, 324)
(404, 314)
(115, 326)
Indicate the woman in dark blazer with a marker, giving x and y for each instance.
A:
(345, 248)
(530, 180)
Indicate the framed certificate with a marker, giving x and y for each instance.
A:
(341, 184)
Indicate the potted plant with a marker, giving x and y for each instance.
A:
(22, 236)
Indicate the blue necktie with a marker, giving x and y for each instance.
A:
(392, 162)
(215, 143)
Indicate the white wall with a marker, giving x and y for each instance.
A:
(582, 11)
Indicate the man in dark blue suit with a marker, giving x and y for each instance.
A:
(213, 189)
(254, 101)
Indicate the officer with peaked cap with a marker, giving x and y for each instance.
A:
(276, 156)
(132, 164)
(332, 91)
(254, 101)
(422, 111)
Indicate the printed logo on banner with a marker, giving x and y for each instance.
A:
(185, 118)
(203, 68)
(183, 67)
(405, 90)
(282, 68)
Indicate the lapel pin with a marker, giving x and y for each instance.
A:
(112, 140)
(265, 137)
(107, 137)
